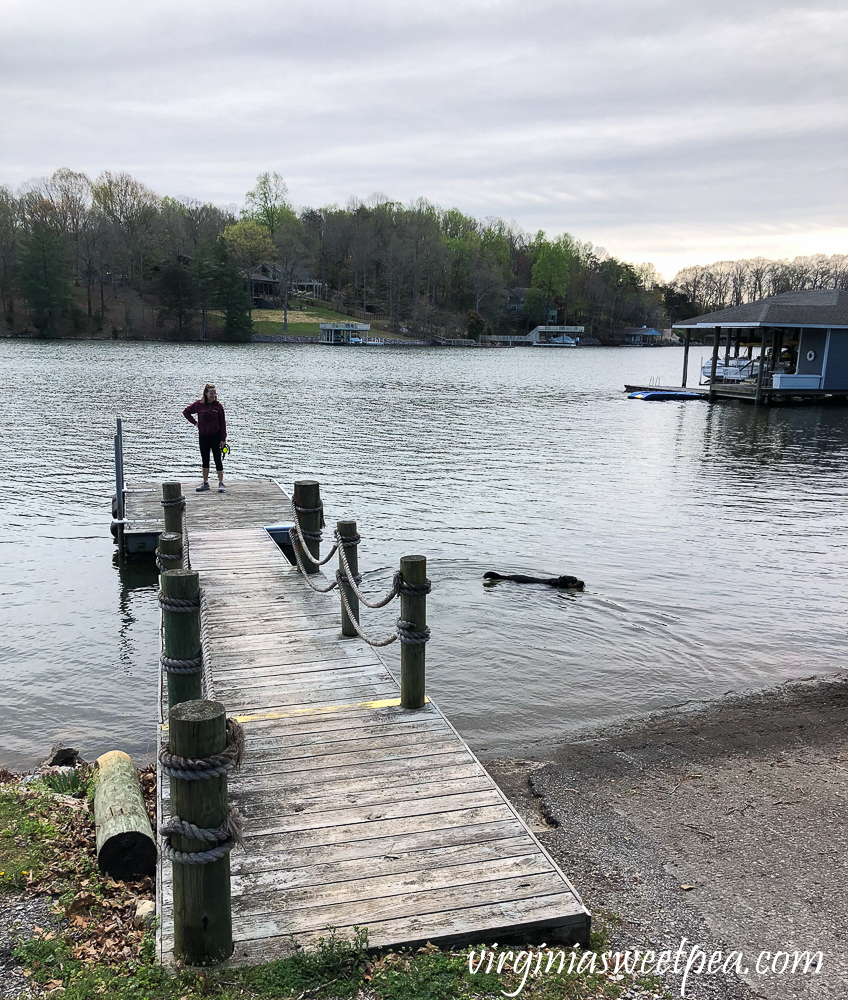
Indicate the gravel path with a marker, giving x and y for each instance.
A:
(727, 826)
(18, 916)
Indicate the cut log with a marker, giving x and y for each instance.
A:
(126, 848)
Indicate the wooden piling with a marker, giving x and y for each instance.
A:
(687, 336)
(758, 395)
(307, 495)
(413, 608)
(173, 512)
(181, 633)
(347, 529)
(170, 551)
(203, 926)
(716, 345)
(120, 504)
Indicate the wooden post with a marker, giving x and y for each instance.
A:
(170, 553)
(686, 339)
(203, 924)
(119, 485)
(173, 514)
(126, 848)
(181, 633)
(758, 396)
(413, 608)
(307, 494)
(347, 529)
(716, 343)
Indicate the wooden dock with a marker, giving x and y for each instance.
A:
(357, 812)
(746, 392)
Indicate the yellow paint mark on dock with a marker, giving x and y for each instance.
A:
(321, 710)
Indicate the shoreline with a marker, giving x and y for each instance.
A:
(724, 824)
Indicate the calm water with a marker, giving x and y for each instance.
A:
(711, 539)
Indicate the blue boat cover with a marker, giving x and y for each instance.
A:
(660, 394)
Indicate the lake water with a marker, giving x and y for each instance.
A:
(711, 538)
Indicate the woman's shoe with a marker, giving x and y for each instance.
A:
(202, 487)
(220, 487)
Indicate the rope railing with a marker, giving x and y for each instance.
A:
(409, 583)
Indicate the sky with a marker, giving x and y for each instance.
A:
(678, 132)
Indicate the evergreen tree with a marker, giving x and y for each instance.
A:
(231, 296)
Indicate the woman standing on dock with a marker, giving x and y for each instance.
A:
(212, 427)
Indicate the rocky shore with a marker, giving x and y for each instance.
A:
(725, 826)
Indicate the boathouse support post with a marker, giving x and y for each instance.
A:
(173, 506)
(203, 923)
(310, 517)
(758, 395)
(413, 609)
(716, 345)
(687, 337)
(181, 649)
(347, 530)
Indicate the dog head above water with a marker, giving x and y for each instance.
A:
(560, 582)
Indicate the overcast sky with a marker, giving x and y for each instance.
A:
(676, 132)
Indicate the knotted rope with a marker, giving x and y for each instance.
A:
(224, 838)
(167, 557)
(174, 502)
(409, 635)
(177, 604)
(298, 532)
(174, 666)
(199, 769)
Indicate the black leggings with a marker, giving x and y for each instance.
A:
(211, 442)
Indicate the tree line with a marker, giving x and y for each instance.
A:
(710, 287)
(72, 249)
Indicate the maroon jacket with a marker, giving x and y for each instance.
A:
(210, 417)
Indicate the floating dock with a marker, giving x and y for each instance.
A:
(357, 812)
(747, 393)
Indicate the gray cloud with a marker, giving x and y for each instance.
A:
(662, 130)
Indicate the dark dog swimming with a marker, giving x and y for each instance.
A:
(560, 582)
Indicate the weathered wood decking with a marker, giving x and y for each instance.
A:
(356, 812)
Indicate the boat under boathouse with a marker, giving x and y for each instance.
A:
(787, 347)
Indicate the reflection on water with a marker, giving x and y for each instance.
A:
(710, 537)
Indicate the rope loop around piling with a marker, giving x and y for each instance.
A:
(162, 558)
(416, 589)
(298, 532)
(202, 768)
(410, 635)
(223, 839)
(174, 666)
(174, 502)
(177, 605)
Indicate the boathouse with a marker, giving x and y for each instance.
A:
(345, 333)
(800, 340)
(641, 336)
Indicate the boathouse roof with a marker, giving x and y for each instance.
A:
(819, 308)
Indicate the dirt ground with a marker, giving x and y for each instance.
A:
(727, 826)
